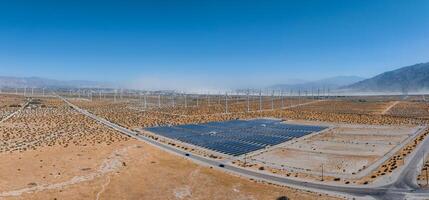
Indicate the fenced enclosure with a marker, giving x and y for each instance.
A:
(236, 137)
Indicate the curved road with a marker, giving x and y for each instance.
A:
(404, 185)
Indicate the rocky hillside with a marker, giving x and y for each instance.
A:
(413, 78)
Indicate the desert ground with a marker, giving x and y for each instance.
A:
(342, 151)
(50, 151)
(10, 104)
(416, 109)
(354, 106)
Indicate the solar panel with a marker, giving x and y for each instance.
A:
(236, 137)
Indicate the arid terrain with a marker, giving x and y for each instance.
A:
(10, 104)
(342, 152)
(51, 151)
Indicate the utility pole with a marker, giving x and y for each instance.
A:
(174, 103)
(145, 101)
(283, 99)
(272, 100)
(226, 102)
(260, 100)
(248, 102)
(186, 103)
(218, 99)
(208, 99)
(322, 172)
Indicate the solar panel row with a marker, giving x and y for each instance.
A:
(236, 137)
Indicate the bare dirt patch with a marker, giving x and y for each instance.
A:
(127, 170)
(346, 149)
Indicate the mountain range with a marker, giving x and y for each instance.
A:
(36, 82)
(414, 78)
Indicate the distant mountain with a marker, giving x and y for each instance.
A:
(328, 83)
(413, 78)
(36, 82)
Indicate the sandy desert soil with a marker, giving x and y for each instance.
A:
(50, 122)
(126, 170)
(312, 161)
(410, 109)
(343, 149)
(356, 106)
(9, 104)
(396, 160)
(52, 152)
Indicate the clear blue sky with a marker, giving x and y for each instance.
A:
(210, 43)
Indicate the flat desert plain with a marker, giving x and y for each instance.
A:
(50, 151)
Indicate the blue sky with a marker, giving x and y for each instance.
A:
(210, 44)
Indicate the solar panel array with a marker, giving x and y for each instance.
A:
(236, 137)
